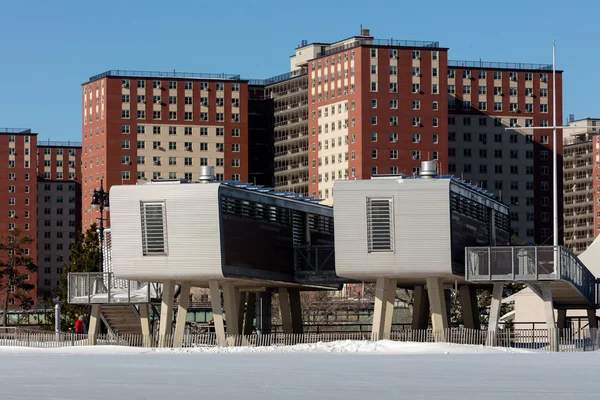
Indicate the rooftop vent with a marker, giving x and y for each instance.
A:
(207, 174)
(428, 169)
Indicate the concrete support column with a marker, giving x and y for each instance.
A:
(94, 325)
(592, 320)
(241, 303)
(561, 321)
(548, 306)
(437, 300)
(231, 309)
(420, 317)
(166, 313)
(215, 297)
(182, 308)
(285, 310)
(145, 323)
(468, 302)
(494, 316)
(385, 293)
(389, 307)
(264, 312)
(546, 291)
(295, 310)
(250, 313)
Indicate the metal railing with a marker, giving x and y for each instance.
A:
(162, 74)
(15, 130)
(104, 288)
(560, 340)
(68, 143)
(379, 42)
(314, 258)
(502, 65)
(529, 263)
(278, 78)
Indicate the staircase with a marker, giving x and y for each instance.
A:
(122, 318)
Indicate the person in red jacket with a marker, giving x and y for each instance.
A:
(79, 325)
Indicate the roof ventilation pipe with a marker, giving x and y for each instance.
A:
(207, 174)
(428, 169)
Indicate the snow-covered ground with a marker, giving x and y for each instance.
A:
(339, 370)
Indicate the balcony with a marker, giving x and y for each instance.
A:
(292, 152)
(292, 137)
(291, 122)
(577, 177)
(104, 288)
(294, 106)
(285, 93)
(292, 167)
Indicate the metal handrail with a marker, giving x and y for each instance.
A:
(68, 143)
(529, 263)
(15, 130)
(502, 65)
(162, 74)
(379, 42)
(105, 288)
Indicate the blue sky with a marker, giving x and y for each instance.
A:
(48, 48)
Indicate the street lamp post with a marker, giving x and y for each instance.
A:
(100, 202)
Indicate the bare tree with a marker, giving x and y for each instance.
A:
(15, 267)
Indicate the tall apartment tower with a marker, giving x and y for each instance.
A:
(375, 107)
(58, 209)
(516, 165)
(581, 174)
(18, 149)
(290, 123)
(138, 126)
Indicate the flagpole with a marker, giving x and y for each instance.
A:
(555, 144)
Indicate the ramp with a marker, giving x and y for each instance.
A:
(573, 285)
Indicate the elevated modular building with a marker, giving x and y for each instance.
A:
(238, 240)
(412, 232)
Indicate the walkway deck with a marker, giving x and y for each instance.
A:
(573, 285)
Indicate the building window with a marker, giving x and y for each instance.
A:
(154, 232)
(380, 224)
(125, 144)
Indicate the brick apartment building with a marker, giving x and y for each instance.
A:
(376, 107)
(18, 149)
(346, 110)
(43, 198)
(58, 209)
(383, 106)
(139, 126)
(516, 165)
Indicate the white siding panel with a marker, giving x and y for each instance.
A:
(193, 232)
(421, 228)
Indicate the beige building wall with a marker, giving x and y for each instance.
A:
(179, 155)
(581, 152)
(333, 147)
(529, 308)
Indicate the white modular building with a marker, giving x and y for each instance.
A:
(413, 228)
